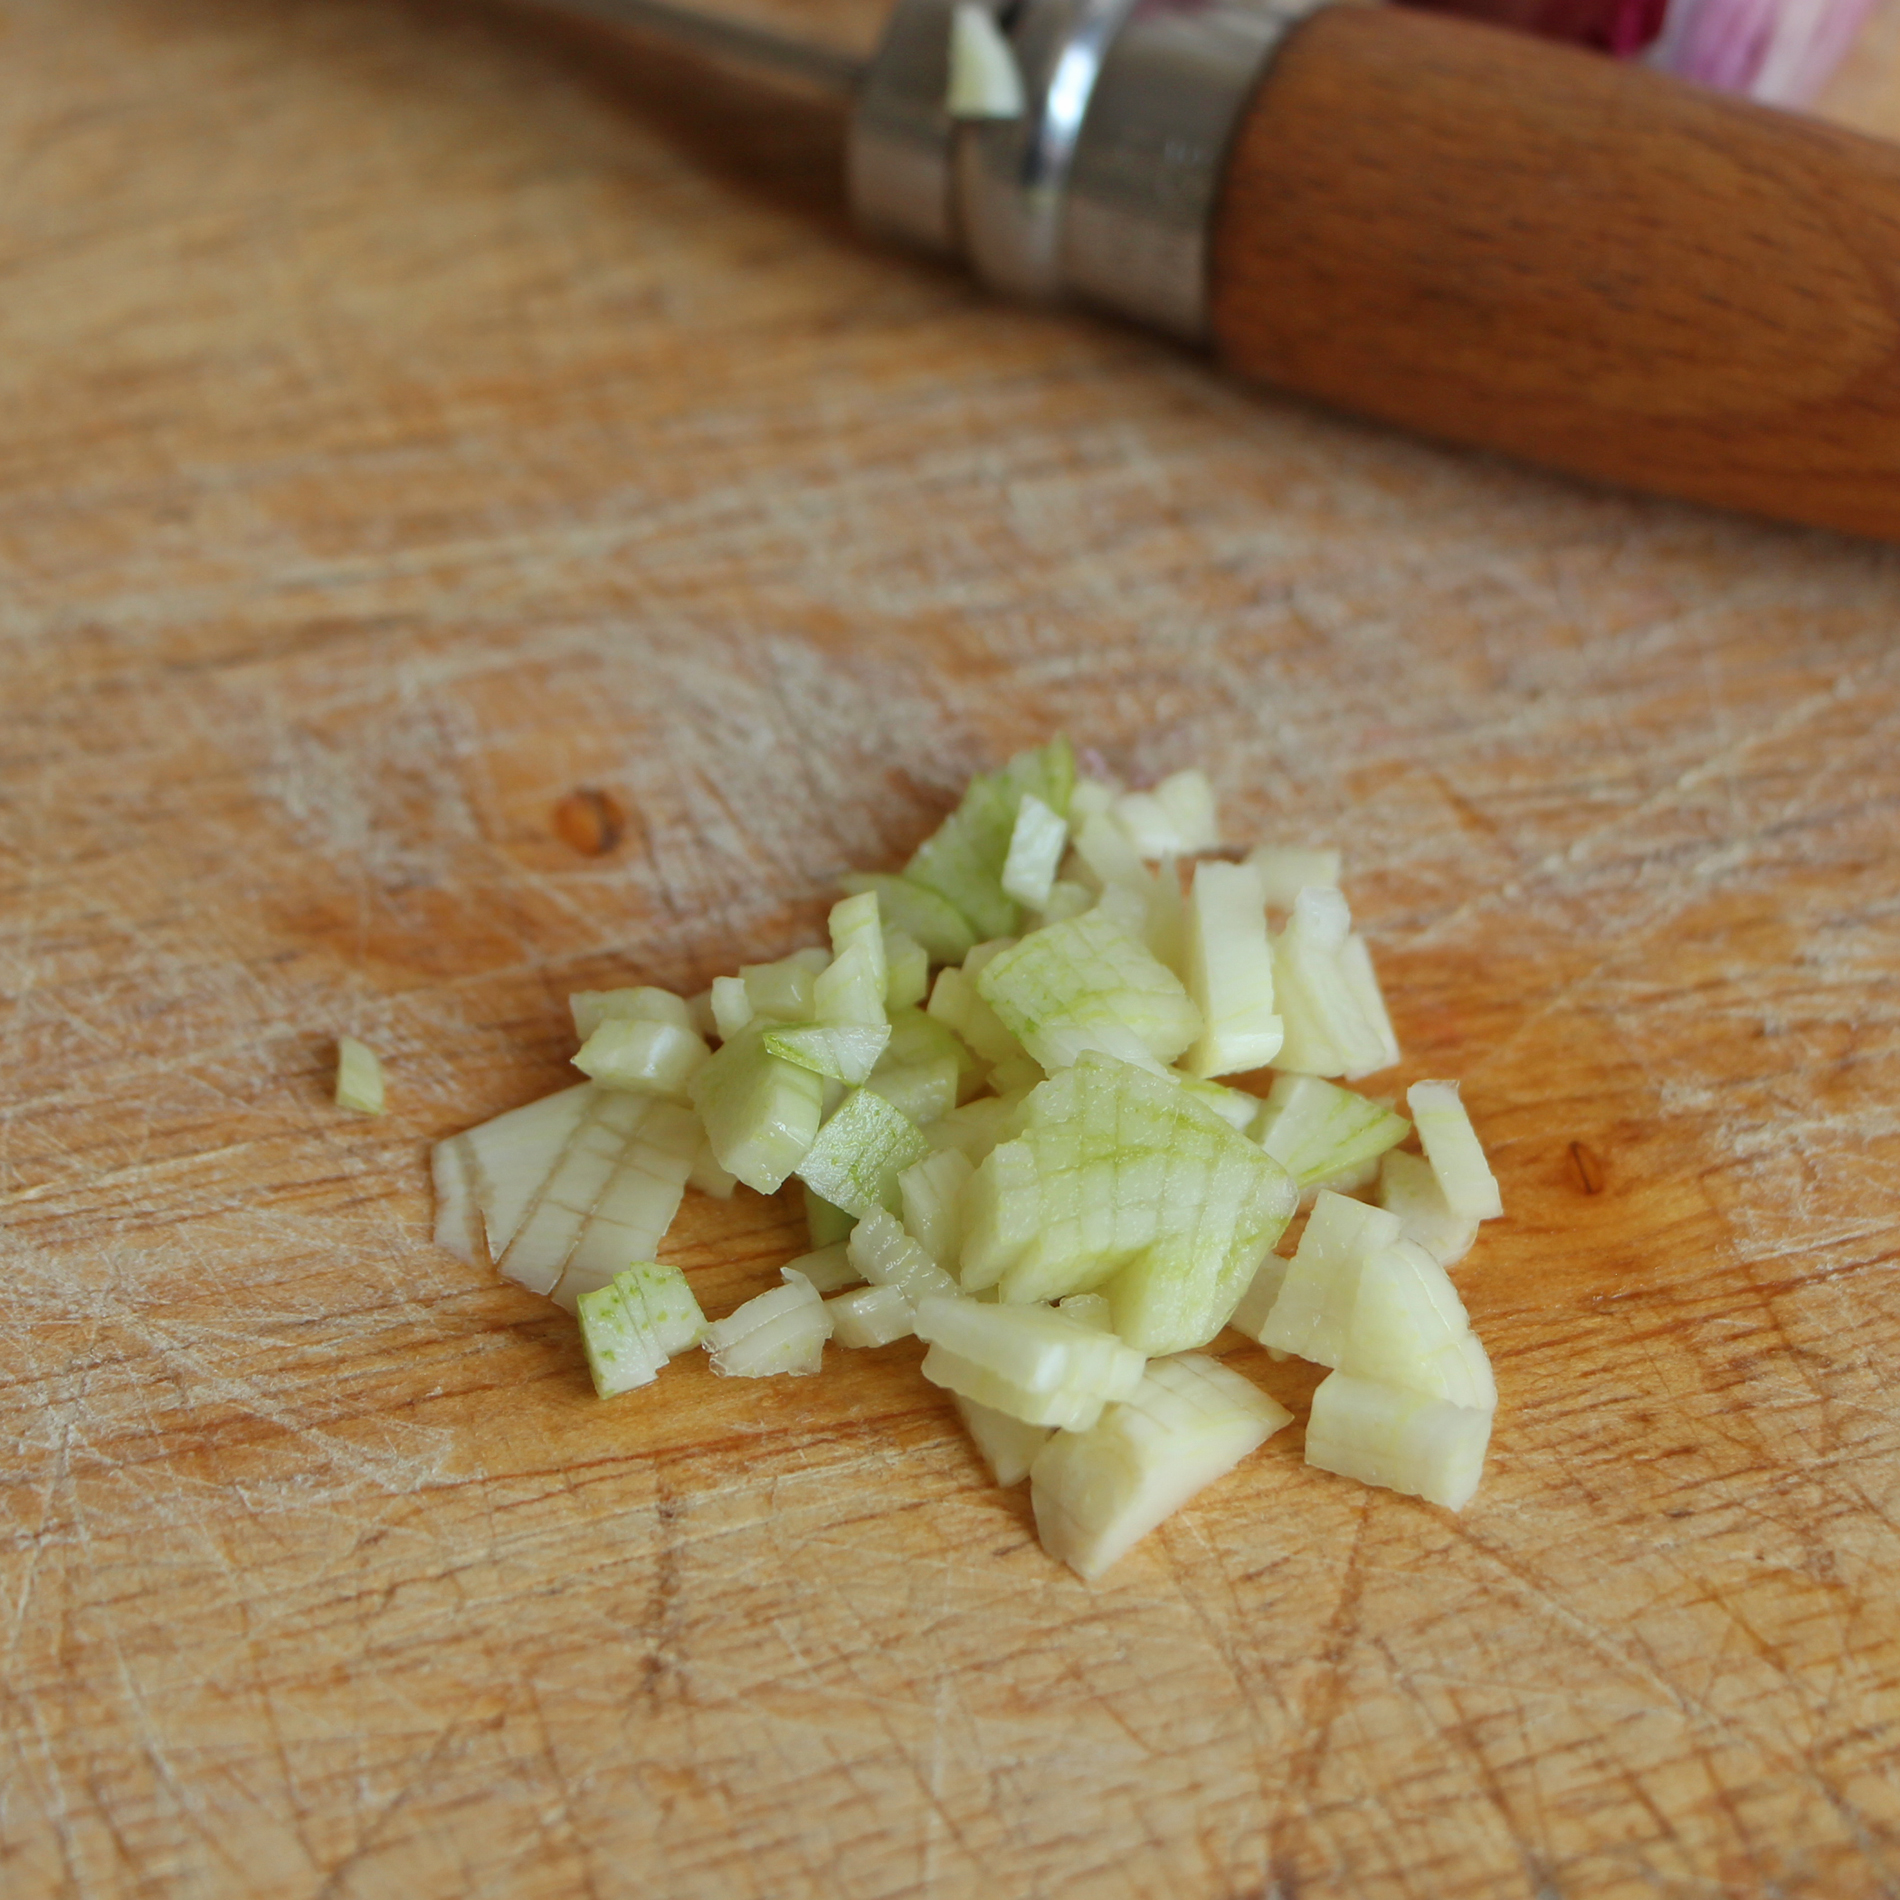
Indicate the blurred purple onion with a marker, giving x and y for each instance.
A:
(1777, 51)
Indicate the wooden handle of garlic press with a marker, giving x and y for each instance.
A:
(1511, 244)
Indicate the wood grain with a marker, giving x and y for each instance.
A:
(1530, 248)
(410, 425)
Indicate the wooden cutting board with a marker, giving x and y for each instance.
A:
(410, 423)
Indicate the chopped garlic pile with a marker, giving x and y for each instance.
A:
(999, 1091)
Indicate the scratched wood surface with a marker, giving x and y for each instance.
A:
(409, 422)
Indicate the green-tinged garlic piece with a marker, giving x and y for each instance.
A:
(761, 1112)
(857, 1156)
(359, 1077)
(1321, 1133)
(1088, 985)
(885, 1255)
(1286, 870)
(633, 1325)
